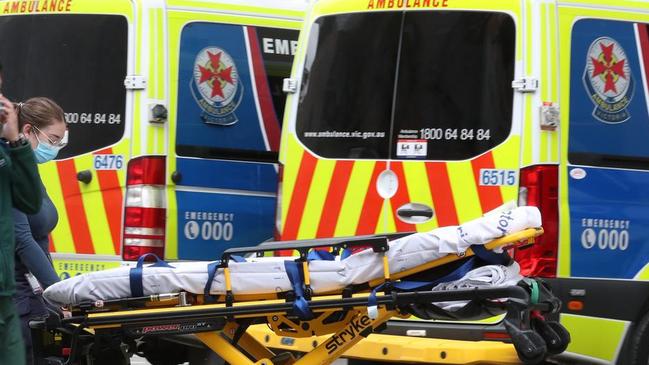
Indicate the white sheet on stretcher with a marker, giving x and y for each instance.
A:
(268, 275)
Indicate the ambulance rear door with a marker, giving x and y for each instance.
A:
(77, 53)
(406, 118)
(229, 70)
(604, 256)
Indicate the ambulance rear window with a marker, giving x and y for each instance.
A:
(77, 60)
(407, 85)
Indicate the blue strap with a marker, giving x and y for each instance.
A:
(212, 267)
(491, 257)
(320, 255)
(405, 285)
(295, 275)
(346, 253)
(135, 274)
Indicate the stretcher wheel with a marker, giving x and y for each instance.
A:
(109, 356)
(556, 336)
(529, 345)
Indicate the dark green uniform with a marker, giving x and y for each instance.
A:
(19, 188)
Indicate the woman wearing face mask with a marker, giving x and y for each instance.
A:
(42, 122)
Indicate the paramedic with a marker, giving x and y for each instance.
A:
(42, 121)
(19, 187)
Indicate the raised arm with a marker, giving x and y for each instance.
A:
(25, 181)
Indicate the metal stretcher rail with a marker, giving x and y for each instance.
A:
(245, 310)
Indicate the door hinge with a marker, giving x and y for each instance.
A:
(135, 82)
(526, 84)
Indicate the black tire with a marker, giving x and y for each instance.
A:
(530, 347)
(108, 350)
(109, 356)
(563, 334)
(556, 336)
(639, 343)
(160, 352)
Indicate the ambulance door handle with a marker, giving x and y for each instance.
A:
(414, 213)
(176, 177)
(84, 176)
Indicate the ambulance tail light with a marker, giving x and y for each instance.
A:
(145, 209)
(539, 186)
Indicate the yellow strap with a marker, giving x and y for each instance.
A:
(386, 267)
(305, 269)
(228, 282)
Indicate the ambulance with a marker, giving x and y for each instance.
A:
(406, 115)
(174, 111)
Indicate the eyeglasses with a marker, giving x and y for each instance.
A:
(60, 143)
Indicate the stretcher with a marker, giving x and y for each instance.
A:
(219, 318)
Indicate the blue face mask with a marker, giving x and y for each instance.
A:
(45, 152)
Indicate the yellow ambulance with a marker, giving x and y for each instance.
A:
(174, 111)
(408, 115)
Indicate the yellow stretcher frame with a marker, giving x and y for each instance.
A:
(400, 349)
(219, 323)
(358, 327)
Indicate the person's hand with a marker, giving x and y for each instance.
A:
(8, 119)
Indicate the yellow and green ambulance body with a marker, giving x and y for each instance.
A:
(174, 111)
(413, 114)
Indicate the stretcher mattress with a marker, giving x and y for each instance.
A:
(268, 275)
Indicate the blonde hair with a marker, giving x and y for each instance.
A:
(39, 112)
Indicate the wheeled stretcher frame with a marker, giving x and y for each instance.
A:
(221, 323)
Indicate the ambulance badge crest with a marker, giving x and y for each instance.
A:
(608, 80)
(216, 86)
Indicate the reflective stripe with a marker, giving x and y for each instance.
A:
(401, 197)
(465, 192)
(506, 157)
(490, 196)
(289, 176)
(145, 196)
(113, 200)
(315, 199)
(419, 192)
(144, 231)
(74, 207)
(298, 199)
(61, 236)
(143, 242)
(440, 189)
(352, 204)
(334, 200)
(372, 204)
